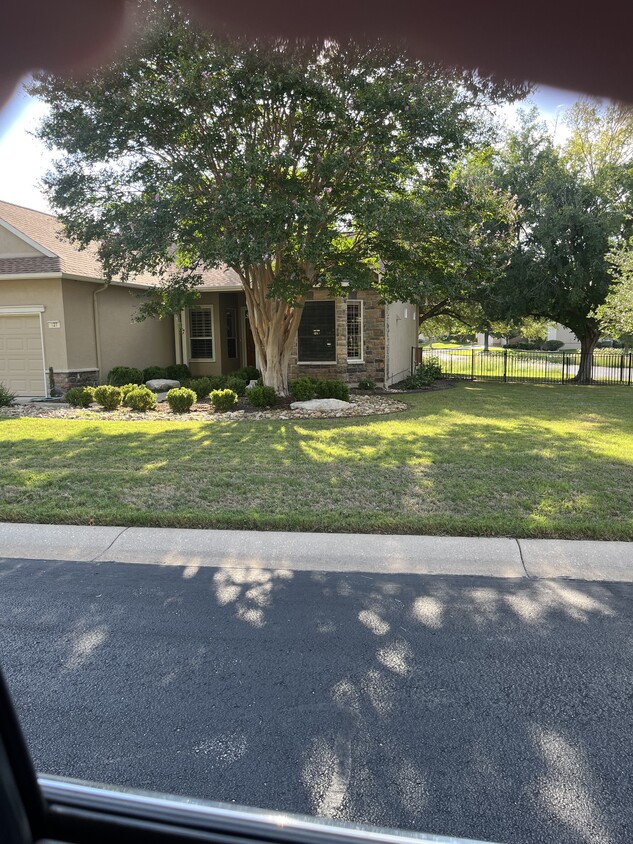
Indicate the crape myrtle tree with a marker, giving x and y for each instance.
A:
(279, 159)
(570, 217)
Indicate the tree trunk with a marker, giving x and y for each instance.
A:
(274, 324)
(588, 343)
(486, 341)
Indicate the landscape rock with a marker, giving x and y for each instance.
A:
(161, 397)
(321, 404)
(161, 385)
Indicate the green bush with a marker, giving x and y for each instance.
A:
(330, 388)
(552, 345)
(6, 396)
(302, 389)
(108, 396)
(141, 399)
(178, 372)
(428, 371)
(238, 385)
(223, 399)
(126, 389)
(526, 346)
(261, 396)
(79, 396)
(152, 372)
(120, 375)
(201, 387)
(432, 367)
(180, 399)
(247, 373)
(366, 384)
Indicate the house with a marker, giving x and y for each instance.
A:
(554, 332)
(61, 325)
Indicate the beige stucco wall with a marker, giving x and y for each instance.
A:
(128, 343)
(48, 293)
(11, 244)
(79, 324)
(401, 336)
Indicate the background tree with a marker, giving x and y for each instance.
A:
(277, 159)
(616, 314)
(568, 222)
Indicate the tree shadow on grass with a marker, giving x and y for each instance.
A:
(493, 709)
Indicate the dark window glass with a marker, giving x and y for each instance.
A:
(200, 334)
(317, 332)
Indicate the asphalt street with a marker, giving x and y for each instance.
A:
(497, 709)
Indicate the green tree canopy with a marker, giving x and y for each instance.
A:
(286, 161)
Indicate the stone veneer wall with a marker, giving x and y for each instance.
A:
(373, 365)
(66, 379)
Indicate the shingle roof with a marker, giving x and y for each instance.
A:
(46, 231)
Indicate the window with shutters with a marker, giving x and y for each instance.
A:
(355, 331)
(317, 332)
(201, 334)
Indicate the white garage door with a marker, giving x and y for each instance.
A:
(21, 363)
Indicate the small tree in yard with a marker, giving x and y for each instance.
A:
(277, 159)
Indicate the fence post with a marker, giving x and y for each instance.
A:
(505, 364)
(630, 366)
(472, 364)
(564, 365)
(622, 369)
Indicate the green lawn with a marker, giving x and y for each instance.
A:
(480, 459)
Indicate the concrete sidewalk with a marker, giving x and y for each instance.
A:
(346, 552)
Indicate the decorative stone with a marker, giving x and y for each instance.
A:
(321, 404)
(252, 383)
(161, 385)
(161, 397)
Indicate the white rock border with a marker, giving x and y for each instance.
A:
(360, 405)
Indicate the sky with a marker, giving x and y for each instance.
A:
(24, 159)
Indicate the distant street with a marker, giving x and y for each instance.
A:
(498, 709)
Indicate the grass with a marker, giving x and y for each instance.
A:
(479, 459)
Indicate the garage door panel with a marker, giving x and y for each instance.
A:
(21, 363)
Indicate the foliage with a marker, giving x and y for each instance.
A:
(180, 399)
(223, 399)
(141, 399)
(108, 396)
(120, 375)
(79, 397)
(247, 373)
(552, 345)
(238, 385)
(616, 313)
(278, 160)
(201, 387)
(261, 396)
(6, 396)
(558, 268)
(126, 389)
(428, 371)
(302, 389)
(150, 373)
(366, 384)
(331, 388)
(178, 372)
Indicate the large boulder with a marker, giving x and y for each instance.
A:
(321, 404)
(161, 385)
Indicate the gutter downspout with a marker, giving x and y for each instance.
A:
(95, 312)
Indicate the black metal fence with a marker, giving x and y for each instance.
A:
(609, 367)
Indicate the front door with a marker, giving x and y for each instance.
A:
(249, 343)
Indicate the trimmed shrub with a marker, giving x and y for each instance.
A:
(330, 388)
(125, 390)
(151, 372)
(6, 396)
(201, 387)
(108, 396)
(141, 399)
(366, 384)
(552, 345)
(120, 375)
(260, 396)
(247, 373)
(428, 371)
(238, 385)
(178, 372)
(526, 346)
(180, 399)
(79, 397)
(302, 389)
(223, 399)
